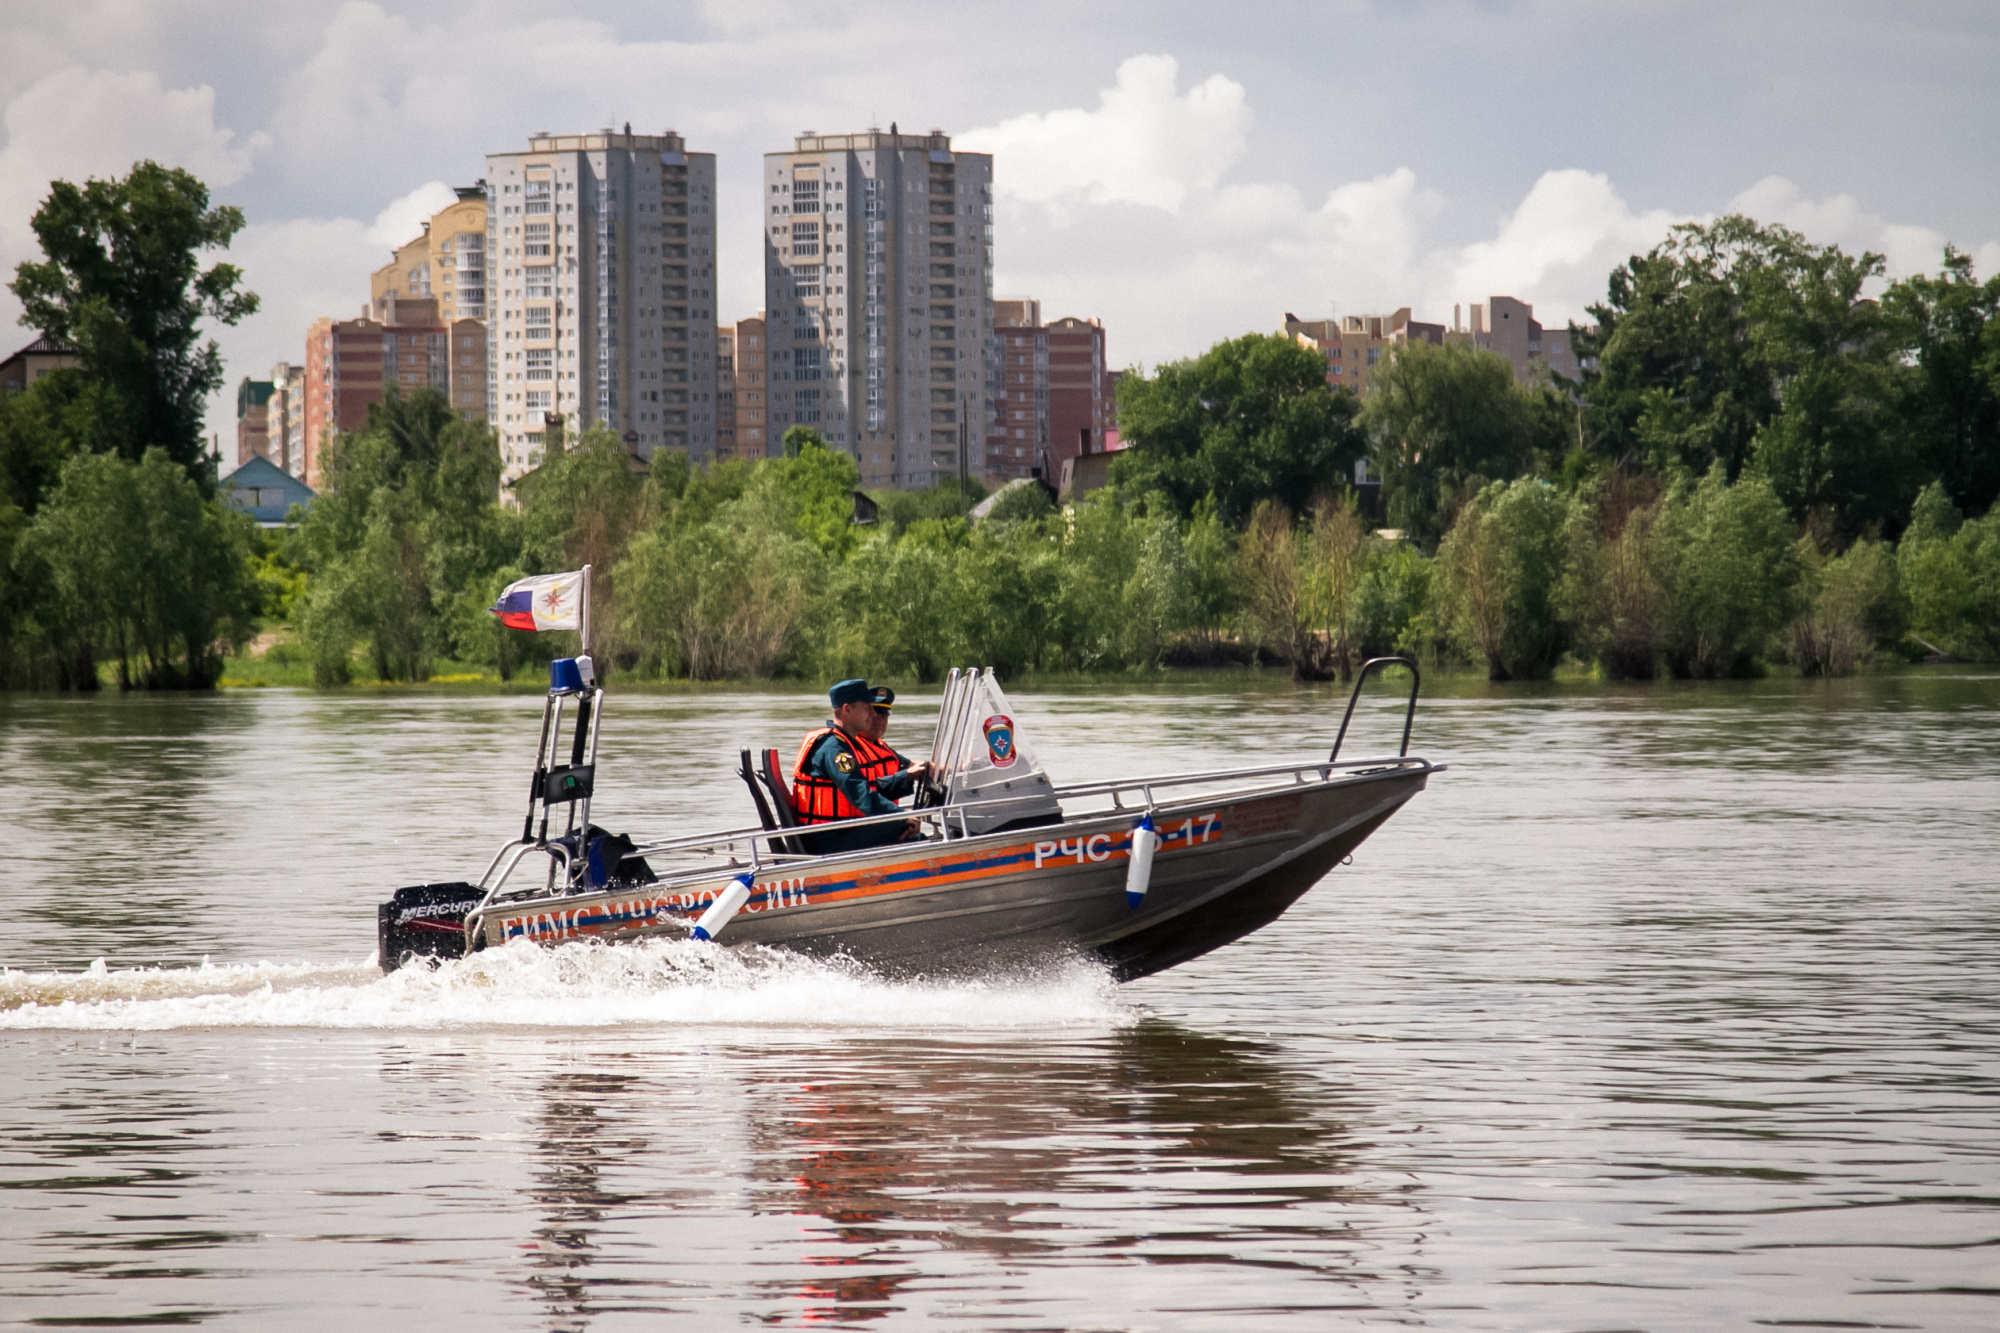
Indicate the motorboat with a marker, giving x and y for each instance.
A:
(998, 866)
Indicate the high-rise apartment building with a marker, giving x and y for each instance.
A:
(1017, 437)
(747, 391)
(1509, 327)
(1354, 344)
(878, 287)
(1080, 408)
(344, 363)
(601, 292)
(725, 392)
(285, 418)
(253, 417)
(447, 263)
(1052, 394)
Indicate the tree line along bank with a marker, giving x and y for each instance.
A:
(1772, 455)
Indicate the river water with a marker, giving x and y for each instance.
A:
(1664, 1008)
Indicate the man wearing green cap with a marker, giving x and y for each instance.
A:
(844, 772)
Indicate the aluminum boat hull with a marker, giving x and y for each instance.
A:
(1227, 865)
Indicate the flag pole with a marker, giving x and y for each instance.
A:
(584, 622)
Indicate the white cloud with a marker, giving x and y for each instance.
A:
(303, 270)
(1134, 202)
(1127, 212)
(403, 220)
(1842, 221)
(1557, 247)
(77, 123)
(1145, 144)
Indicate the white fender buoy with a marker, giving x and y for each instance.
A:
(1139, 870)
(725, 907)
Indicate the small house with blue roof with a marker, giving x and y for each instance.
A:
(265, 491)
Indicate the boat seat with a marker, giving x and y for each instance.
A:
(774, 803)
(781, 803)
(749, 776)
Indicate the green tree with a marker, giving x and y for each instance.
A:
(1673, 380)
(1250, 420)
(808, 493)
(1740, 344)
(1950, 325)
(716, 599)
(140, 567)
(582, 506)
(1611, 590)
(1205, 595)
(947, 499)
(122, 282)
(1834, 442)
(1444, 421)
(1850, 603)
(32, 445)
(1335, 554)
(1730, 571)
(403, 540)
(1008, 588)
(1270, 587)
(1394, 610)
(896, 605)
(1501, 574)
(1949, 574)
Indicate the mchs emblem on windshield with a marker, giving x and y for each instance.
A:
(999, 731)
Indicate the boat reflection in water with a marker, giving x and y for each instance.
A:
(928, 1176)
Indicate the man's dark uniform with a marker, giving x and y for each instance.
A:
(840, 776)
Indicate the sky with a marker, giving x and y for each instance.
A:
(1185, 173)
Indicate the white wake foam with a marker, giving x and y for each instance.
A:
(655, 983)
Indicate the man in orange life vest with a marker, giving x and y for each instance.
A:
(845, 772)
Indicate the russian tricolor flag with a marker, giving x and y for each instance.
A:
(544, 601)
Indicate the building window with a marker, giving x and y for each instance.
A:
(805, 196)
(535, 237)
(541, 363)
(806, 364)
(539, 398)
(541, 281)
(536, 197)
(805, 238)
(806, 405)
(538, 321)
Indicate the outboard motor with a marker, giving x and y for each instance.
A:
(424, 921)
(428, 920)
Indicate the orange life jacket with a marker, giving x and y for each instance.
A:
(818, 800)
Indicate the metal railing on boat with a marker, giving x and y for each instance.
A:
(733, 850)
(940, 819)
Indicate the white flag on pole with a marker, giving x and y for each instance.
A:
(542, 601)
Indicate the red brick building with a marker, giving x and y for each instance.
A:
(1079, 413)
(1017, 436)
(350, 363)
(1052, 399)
(253, 420)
